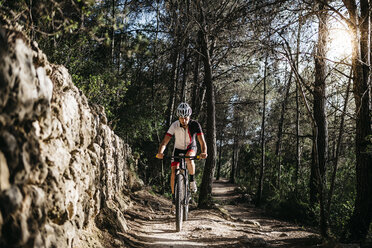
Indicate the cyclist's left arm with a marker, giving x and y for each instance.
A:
(203, 146)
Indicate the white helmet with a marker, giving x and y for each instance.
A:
(183, 110)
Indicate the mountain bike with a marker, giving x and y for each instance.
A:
(182, 190)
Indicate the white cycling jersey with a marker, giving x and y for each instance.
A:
(185, 138)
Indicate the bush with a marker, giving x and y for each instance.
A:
(291, 208)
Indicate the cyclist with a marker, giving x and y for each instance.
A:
(185, 132)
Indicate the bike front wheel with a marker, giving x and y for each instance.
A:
(180, 196)
(185, 211)
(186, 202)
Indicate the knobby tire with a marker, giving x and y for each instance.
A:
(186, 208)
(180, 196)
(187, 199)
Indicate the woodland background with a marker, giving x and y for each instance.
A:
(282, 89)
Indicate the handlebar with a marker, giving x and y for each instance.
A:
(182, 157)
(190, 157)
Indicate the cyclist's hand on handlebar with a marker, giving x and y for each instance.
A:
(203, 155)
(159, 156)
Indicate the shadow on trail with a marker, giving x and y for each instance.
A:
(296, 242)
(275, 233)
(144, 241)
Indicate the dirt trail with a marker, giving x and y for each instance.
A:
(152, 225)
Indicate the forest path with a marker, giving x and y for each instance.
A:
(229, 225)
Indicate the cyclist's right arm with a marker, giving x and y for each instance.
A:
(162, 146)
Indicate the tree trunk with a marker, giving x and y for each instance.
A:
(184, 76)
(234, 160)
(232, 167)
(263, 162)
(113, 33)
(298, 147)
(313, 182)
(237, 164)
(196, 84)
(361, 218)
(155, 77)
(320, 151)
(205, 194)
(118, 60)
(185, 59)
(172, 87)
(175, 58)
(221, 142)
(199, 88)
(278, 147)
(219, 160)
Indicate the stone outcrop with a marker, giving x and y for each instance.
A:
(63, 172)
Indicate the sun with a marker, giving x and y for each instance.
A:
(339, 44)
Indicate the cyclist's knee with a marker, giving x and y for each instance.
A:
(190, 153)
(190, 162)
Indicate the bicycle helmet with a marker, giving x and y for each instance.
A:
(183, 110)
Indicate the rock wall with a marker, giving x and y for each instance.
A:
(63, 172)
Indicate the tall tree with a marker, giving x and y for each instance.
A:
(359, 25)
(218, 23)
(198, 91)
(206, 186)
(237, 136)
(278, 147)
(175, 59)
(263, 140)
(298, 113)
(320, 139)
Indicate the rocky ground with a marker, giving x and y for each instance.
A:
(152, 224)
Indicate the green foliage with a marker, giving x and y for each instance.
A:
(290, 201)
(291, 207)
(342, 205)
(100, 90)
(340, 215)
(44, 17)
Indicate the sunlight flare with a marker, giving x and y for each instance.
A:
(339, 43)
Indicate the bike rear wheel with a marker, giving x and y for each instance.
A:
(180, 197)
